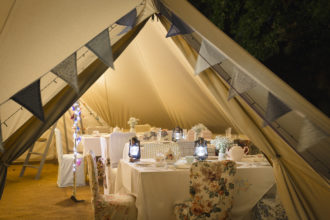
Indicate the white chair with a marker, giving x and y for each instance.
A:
(207, 134)
(112, 152)
(65, 164)
(142, 128)
(100, 129)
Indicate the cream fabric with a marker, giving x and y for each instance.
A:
(116, 143)
(65, 165)
(157, 189)
(294, 176)
(80, 21)
(153, 82)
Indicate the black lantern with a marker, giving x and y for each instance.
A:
(177, 134)
(200, 149)
(134, 151)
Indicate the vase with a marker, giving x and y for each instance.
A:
(132, 130)
(221, 156)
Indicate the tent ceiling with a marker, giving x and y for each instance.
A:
(154, 82)
(32, 24)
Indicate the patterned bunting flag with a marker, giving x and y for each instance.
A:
(240, 83)
(128, 20)
(1, 147)
(309, 136)
(30, 98)
(178, 27)
(67, 70)
(208, 56)
(275, 109)
(101, 47)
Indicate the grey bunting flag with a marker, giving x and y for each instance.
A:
(178, 27)
(208, 56)
(240, 83)
(67, 70)
(1, 146)
(101, 47)
(127, 20)
(30, 98)
(309, 136)
(275, 109)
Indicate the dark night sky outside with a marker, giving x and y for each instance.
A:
(292, 38)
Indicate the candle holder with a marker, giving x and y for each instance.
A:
(177, 134)
(200, 149)
(134, 151)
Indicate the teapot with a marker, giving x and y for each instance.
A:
(236, 152)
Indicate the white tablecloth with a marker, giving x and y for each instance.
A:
(157, 189)
(93, 143)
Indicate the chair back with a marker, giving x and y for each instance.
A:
(191, 135)
(212, 188)
(116, 143)
(100, 129)
(142, 128)
(186, 147)
(59, 148)
(207, 134)
(92, 174)
(151, 149)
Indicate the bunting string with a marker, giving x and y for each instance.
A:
(110, 28)
(195, 44)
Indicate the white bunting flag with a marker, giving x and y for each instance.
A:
(208, 56)
(240, 83)
(309, 136)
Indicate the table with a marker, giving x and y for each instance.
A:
(93, 142)
(157, 189)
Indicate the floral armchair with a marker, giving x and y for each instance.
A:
(113, 206)
(211, 191)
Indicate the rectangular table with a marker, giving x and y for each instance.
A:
(156, 189)
(93, 142)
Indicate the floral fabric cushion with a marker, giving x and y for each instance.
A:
(211, 190)
(113, 206)
(270, 209)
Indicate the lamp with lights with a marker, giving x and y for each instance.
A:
(200, 149)
(177, 134)
(134, 151)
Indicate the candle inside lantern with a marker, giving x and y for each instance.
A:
(177, 134)
(200, 149)
(134, 149)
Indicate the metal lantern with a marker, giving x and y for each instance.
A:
(200, 149)
(177, 134)
(134, 151)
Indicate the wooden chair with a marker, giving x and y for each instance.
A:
(211, 191)
(113, 206)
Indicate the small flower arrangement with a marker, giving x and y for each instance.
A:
(132, 122)
(221, 143)
(169, 155)
(164, 133)
(199, 128)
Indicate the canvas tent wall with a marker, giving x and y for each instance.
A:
(304, 192)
